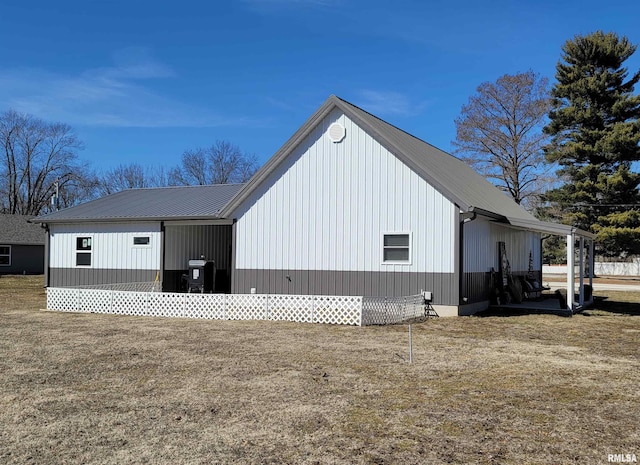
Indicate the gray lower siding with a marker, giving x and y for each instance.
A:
(477, 287)
(444, 286)
(69, 277)
(376, 284)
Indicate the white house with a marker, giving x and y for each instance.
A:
(350, 205)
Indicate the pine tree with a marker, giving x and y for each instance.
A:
(594, 124)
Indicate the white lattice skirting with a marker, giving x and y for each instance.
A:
(343, 310)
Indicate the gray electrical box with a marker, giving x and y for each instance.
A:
(202, 276)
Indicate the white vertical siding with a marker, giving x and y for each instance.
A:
(481, 250)
(328, 207)
(112, 246)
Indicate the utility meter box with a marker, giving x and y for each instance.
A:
(202, 276)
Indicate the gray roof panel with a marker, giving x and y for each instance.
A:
(161, 203)
(16, 230)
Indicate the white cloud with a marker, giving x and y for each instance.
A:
(120, 95)
(280, 104)
(388, 103)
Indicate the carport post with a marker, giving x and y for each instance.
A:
(581, 271)
(571, 272)
(592, 262)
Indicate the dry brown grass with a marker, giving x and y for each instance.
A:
(98, 389)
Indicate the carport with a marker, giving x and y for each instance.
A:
(580, 259)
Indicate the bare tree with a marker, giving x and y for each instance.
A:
(132, 176)
(35, 155)
(194, 168)
(222, 163)
(77, 189)
(499, 133)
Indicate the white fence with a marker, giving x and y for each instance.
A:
(600, 269)
(345, 310)
(617, 268)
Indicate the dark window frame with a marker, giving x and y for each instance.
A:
(6, 255)
(84, 251)
(141, 241)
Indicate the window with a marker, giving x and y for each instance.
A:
(396, 248)
(141, 240)
(83, 251)
(5, 255)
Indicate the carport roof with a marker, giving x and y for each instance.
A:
(555, 229)
(152, 204)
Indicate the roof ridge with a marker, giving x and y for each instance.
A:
(180, 187)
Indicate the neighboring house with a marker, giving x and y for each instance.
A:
(21, 245)
(350, 205)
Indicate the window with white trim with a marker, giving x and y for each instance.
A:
(83, 250)
(141, 240)
(5, 255)
(396, 248)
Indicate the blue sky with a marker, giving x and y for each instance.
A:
(144, 81)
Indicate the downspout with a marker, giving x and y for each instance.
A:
(47, 261)
(162, 253)
(233, 278)
(462, 299)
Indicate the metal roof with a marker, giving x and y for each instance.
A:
(16, 230)
(152, 204)
(456, 180)
(452, 177)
